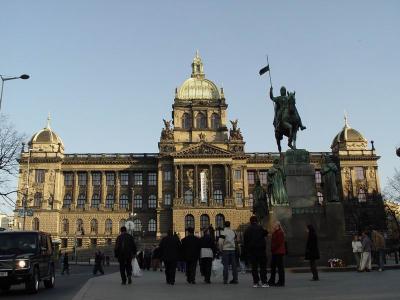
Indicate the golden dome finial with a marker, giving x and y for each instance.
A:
(346, 121)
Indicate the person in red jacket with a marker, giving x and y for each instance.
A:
(278, 251)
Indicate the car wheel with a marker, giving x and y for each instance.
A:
(32, 285)
(5, 287)
(49, 283)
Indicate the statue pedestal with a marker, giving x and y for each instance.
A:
(300, 179)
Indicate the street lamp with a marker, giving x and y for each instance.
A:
(5, 78)
(398, 152)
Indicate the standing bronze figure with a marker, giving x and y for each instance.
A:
(260, 203)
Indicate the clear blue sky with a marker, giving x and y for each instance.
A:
(107, 70)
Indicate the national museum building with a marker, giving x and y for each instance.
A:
(201, 175)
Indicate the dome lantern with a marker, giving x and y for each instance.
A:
(46, 140)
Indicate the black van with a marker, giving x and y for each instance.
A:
(26, 257)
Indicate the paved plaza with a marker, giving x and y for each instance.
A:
(333, 285)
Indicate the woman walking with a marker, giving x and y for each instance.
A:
(206, 254)
(357, 250)
(312, 251)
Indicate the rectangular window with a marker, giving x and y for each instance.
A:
(167, 175)
(39, 176)
(138, 179)
(251, 200)
(96, 179)
(78, 243)
(93, 242)
(263, 177)
(124, 179)
(152, 179)
(167, 199)
(318, 178)
(82, 179)
(110, 179)
(359, 173)
(64, 243)
(68, 179)
(238, 174)
(250, 177)
(239, 198)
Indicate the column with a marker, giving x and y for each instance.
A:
(354, 192)
(76, 190)
(117, 190)
(245, 187)
(226, 194)
(181, 179)
(103, 189)
(89, 188)
(211, 189)
(159, 187)
(196, 182)
(176, 181)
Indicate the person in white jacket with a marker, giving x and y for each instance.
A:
(357, 250)
(227, 245)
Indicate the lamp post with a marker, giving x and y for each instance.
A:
(24, 204)
(398, 152)
(5, 78)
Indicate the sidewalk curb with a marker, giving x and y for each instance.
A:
(82, 292)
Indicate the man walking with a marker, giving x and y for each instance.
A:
(98, 263)
(191, 253)
(228, 246)
(365, 264)
(378, 244)
(255, 250)
(65, 264)
(170, 250)
(125, 250)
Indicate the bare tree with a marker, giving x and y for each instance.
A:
(392, 190)
(10, 148)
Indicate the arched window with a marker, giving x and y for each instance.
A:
(81, 201)
(219, 221)
(137, 225)
(65, 226)
(320, 197)
(361, 195)
(201, 121)
(152, 225)
(96, 201)
(108, 226)
(67, 201)
(186, 121)
(35, 224)
(122, 223)
(204, 222)
(123, 201)
(152, 202)
(94, 226)
(189, 221)
(215, 121)
(188, 197)
(137, 202)
(37, 200)
(79, 226)
(218, 197)
(110, 201)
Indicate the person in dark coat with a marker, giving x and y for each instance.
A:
(98, 263)
(169, 251)
(256, 251)
(207, 253)
(278, 250)
(312, 251)
(191, 253)
(125, 251)
(147, 259)
(65, 264)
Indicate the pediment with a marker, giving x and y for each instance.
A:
(203, 149)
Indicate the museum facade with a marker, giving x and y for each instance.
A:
(200, 176)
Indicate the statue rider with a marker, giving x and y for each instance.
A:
(281, 103)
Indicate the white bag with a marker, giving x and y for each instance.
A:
(136, 271)
(217, 268)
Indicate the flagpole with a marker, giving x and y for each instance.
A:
(270, 80)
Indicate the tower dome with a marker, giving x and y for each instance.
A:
(46, 140)
(349, 139)
(197, 87)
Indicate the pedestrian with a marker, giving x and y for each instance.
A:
(65, 264)
(147, 259)
(312, 251)
(125, 250)
(278, 250)
(378, 243)
(156, 258)
(207, 253)
(357, 250)
(255, 249)
(140, 259)
(107, 261)
(191, 254)
(170, 249)
(98, 263)
(227, 240)
(366, 242)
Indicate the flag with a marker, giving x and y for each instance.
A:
(264, 70)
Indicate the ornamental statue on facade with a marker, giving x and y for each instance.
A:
(235, 133)
(276, 184)
(167, 132)
(329, 172)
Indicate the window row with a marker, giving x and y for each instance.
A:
(204, 221)
(252, 177)
(217, 195)
(201, 121)
(110, 178)
(94, 226)
(109, 203)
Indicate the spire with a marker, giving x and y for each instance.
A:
(346, 123)
(197, 66)
(48, 121)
